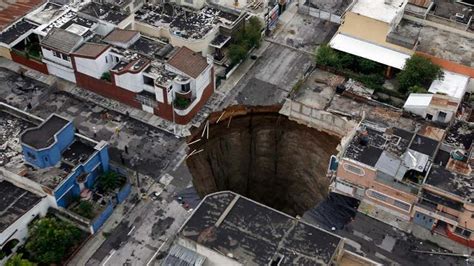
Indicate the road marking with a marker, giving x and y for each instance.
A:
(110, 256)
(156, 253)
(131, 230)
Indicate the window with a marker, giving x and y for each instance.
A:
(377, 195)
(402, 205)
(354, 169)
(65, 57)
(185, 87)
(462, 232)
(107, 59)
(57, 54)
(189, 1)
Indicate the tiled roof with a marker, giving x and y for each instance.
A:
(10, 11)
(121, 36)
(188, 62)
(61, 40)
(92, 50)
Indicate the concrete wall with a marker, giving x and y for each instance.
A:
(5, 52)
(320, 119)
(130, 81)
(95, 67)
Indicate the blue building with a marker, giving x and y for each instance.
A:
(73, 162)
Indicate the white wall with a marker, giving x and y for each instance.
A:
(130, 81)
(61, 72)
(48, 55)
(195, 4)
(95, 67)
(19, 229)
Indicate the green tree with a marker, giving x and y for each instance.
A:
(237, 52)
(50, 240)
(17, 260)
(327, 56)
(109, 181)
(418, 71)
(416, 89)
(253, 32)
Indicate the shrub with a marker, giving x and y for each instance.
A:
(417, 89)
(418, 71)
(17, 260)
(85, 209)
(109, 181)
(106, 76)
(50, 240)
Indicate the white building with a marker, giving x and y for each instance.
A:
(18, 207)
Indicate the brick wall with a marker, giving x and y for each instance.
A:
(36, 65)
(208, 91)
(107, 89)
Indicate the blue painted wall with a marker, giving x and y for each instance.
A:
(102, 218)
(93, 167)
(423, 220)
(124, 192)
(48, 157)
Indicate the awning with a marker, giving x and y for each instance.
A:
(369, 51)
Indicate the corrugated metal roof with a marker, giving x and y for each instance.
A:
(369, 51)
(181, 256)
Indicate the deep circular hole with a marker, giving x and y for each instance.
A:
(266, 157)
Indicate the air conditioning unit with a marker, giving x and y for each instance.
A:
(459, 16)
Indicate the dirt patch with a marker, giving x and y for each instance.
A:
(263, 155)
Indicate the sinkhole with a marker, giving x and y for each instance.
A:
(262, 155)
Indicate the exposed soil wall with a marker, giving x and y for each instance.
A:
(264, 156)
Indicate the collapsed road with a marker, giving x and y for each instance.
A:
(263, 155)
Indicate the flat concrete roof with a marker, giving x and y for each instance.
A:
(14, 203)
(452, 84)
(254, 234)
(418, 100)
(43, 135)
(382, 10)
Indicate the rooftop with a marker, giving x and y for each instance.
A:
(452, 84)
(15, 31)
(44, 135)
(252, 233)
(147, 46)
(91, 50)
(457, 184)
(188, 62)
(71, 22)
(105, 11)
(460, 134)
(11, 11)
(61, 40)
(447, 45)
(183, 22)
(121, 36)
(14, 203)
(373, 139)
(382, 10)
(46, 14)
(11, 157)
(424, 145)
